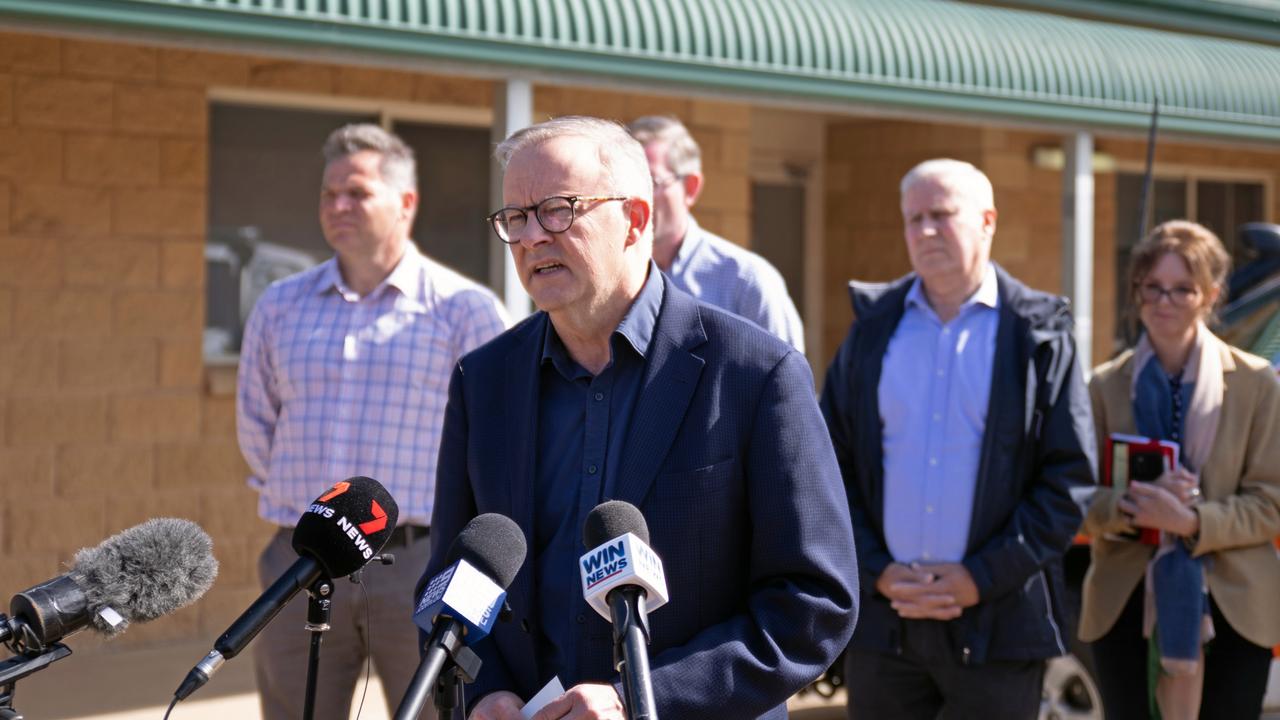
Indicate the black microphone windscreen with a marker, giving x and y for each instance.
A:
(346, 526)
(612, 519)
(494, 544)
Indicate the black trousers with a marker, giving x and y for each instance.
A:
(928, 682)
(1235, 670)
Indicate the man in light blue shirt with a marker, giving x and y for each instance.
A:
(933, 403)
(961, 424)
(701, 263)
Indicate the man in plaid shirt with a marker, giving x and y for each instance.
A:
(344, 371)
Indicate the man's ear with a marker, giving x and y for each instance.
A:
(409, 204)
(639, 214)
(989, 222)
(692, 187)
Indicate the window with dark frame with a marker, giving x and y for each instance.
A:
(264, 178)
(1220, 205)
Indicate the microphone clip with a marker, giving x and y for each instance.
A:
(382, 559)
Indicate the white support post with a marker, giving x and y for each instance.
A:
(512, 110)
(1077, 240)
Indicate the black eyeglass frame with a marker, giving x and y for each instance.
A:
(496, 223)
(1152, 293)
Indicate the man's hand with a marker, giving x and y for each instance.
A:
(928, 592)
(584, 702)
(900, 582)
(912, 593)
(501, 705)
(1152, 506)
(954, 579)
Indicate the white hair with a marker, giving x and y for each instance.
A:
(621, 156)
(954, 174)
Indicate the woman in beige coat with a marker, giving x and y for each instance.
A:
(1213, 580)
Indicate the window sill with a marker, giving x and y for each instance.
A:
(220, 375)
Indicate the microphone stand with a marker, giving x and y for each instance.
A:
(319, 605)
(445, 661)
(462, 667)
(630, 654)
(20, 666)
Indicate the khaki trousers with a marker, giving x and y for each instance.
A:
(387, 630)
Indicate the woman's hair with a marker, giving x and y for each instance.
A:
(1202, 251)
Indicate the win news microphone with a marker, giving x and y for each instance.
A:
(622, 579)
(139, 574)
(460, 604)
(339, 534)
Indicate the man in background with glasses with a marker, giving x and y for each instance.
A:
(344, 372)
(623, 387)
(699, 262)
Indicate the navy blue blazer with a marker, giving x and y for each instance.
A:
(729, 460)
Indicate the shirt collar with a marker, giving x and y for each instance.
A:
(988, 293)
(404, 277)
(636, 328)
(688, 247)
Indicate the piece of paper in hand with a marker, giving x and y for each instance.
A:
(549, 692)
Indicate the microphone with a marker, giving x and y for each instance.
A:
(462, 602)
(337, 535)
(622, 579)
(139, 574)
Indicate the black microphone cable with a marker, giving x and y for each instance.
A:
(358, 579)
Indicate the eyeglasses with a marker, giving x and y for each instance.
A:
(660, 183)
(1180, 296)
(555, 214)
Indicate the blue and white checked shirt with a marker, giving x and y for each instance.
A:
(733, 278)
(332, 384)
(934, 390)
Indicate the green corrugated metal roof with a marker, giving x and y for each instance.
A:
(1256, 20)
(908, 54)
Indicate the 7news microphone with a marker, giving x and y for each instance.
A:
(139, 574)
(338, 534)
(622, 579)
(460, 604)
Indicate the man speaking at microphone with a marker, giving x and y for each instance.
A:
(624, 387)
(342, 373)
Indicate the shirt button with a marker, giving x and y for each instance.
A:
(591, 469)
(946, 331)
(599, 397)
(941, 372)
(933, 462)
(582, 619)
(937, 417)
(928, 509)
(925, 555)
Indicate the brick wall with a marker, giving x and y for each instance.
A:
(106, 412)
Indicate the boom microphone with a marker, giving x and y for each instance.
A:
(139, 574)
(462, 602)
(341, 532)
(621, 575)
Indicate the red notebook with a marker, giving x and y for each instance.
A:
(1133, 457)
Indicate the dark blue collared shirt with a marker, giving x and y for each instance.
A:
(582, 425)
